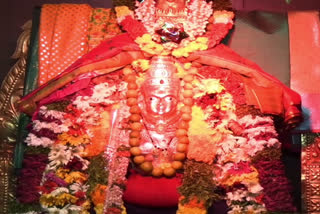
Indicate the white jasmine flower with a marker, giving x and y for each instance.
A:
(59, 155)
(56, 210)
(235, 210)
(56, 128)
(81, 103)
(256, 131)
(273, 142)
(254, 188)
(237, 195)
(90, 117)
(33, 140)
(68, 209)
(59, 191)
(248, 120)
(76, 187)
(51, 113)
(102, 91)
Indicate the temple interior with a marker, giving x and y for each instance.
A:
(161, 115)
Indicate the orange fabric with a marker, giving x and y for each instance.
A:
(262, 90)
(304, 31)
(103, 25)
(63, 37)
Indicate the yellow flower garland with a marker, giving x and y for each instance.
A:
(200, 44)
(141, 65)
(72, 140)
(77, 177)
(207, 86)
(246, 178)
(49, 200)
(148, 45)
(151, 47)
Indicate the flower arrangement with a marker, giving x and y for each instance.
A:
(70, 135)
(237, 155)
(93, 136)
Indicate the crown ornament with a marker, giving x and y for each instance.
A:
(161, 78)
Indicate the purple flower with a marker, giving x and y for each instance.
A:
(52, 177)
(75, 164)
(44, 132)
(30, 177)
(277, 189)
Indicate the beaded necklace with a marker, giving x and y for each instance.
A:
(136, 126)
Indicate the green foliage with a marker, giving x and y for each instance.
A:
(272, 153)
(59, 106)
(97, 171)
(36, 150)
(198, 183)
(17, 207)
(310, 138)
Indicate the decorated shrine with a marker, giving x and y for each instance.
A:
(143, 109)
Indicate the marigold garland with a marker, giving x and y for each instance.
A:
(221, 104)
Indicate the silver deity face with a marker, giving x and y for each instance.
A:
(161, 105)
(161, 88)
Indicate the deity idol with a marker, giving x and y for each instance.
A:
(163, 116)
(159, 113)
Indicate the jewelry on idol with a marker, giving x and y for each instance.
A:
(160, 92)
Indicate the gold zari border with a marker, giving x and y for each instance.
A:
(10, 92)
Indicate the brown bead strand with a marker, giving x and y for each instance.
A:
(135, 117)
(135, 125)
(182, 131)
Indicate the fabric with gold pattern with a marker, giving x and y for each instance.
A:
(63, 37)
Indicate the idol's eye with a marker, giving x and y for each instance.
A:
(169, 99)
(153, 98)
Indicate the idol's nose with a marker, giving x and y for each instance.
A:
(161, 106)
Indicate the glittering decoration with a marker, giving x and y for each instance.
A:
(171, 33)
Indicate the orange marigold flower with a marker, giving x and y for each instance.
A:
(98, 195)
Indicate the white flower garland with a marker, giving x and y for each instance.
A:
(33, 140)
(51, 113)
(59, 155)
(52, 126)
